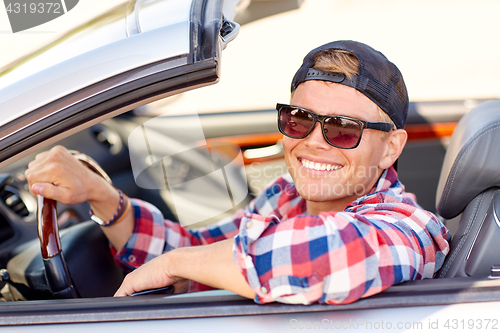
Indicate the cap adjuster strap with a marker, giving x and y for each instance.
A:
(321, 75)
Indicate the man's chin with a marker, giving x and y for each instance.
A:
(322, 195)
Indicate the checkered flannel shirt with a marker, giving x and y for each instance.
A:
(285, 255)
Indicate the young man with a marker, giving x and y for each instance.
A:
(337, 228)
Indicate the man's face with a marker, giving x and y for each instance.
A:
(353, 172)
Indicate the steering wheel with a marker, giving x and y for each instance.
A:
(57, 273)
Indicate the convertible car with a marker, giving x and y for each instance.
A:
(120, 89)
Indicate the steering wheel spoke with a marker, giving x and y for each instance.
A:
(58, 276)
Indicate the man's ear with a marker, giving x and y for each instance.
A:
(395, 144)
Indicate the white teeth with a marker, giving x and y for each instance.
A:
(319, 166)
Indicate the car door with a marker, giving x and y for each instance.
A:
(137, 53)
(140, 52)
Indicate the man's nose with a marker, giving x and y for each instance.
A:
(316, 138)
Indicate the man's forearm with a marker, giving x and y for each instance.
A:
(212, 265)
(119, 234)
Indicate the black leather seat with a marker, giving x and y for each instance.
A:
(469, 185)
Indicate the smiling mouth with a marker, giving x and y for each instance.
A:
(319, 166)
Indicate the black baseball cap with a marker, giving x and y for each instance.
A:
(378, 78)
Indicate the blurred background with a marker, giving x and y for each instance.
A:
(21, 43)
(446, 49)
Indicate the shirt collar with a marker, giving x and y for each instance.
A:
(387, 180)
(388, 183)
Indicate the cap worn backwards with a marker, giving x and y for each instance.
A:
(378, 78)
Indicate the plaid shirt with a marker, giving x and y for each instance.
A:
(380, 239)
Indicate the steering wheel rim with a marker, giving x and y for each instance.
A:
(56, 269)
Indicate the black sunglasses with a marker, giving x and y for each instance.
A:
(339, 131)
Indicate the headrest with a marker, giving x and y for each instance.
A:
(472, 161)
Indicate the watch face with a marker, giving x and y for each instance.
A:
(97, 220)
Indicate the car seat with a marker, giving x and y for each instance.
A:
(469, 185)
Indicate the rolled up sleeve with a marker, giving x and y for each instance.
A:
(152, 235)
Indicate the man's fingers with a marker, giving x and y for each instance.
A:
(33, 164)
(124, 291)
(121, 292)
(38, 177)
(41, 156)
(152, 274)
(57, 193)
(46, 190)
(127, 286)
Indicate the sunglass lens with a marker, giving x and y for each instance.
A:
(295, 122)
(343, 133)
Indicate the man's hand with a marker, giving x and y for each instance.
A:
(212, 265)
(153, 274)
(56, 174)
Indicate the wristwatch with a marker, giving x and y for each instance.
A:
(97, 220)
